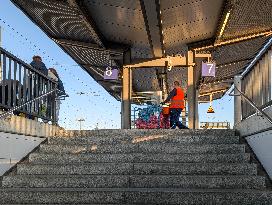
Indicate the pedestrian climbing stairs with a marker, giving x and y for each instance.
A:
(139, 167)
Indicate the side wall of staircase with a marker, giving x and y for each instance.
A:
(139, 167)
(261, 142)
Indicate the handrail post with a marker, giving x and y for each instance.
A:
(237, 100)
(54, 117)
(252, 104)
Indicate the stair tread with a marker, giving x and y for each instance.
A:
(150, 163)
(136, 190)
(83, 158)
(144, 148)
(138, 167)
(206, 139)
(132, 175)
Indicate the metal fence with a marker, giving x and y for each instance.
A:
(21, 83)
(256, 85)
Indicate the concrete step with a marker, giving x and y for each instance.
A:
(141, 169)
(144, 148)
(184, 139)
(44, 158)
(145, 132)
(135, 196)
(134, 181)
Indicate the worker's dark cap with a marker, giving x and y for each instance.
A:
(39, 57)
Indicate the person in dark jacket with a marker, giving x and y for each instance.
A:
(39, 65)
(52, 73)
(176, 98)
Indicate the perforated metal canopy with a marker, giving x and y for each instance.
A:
(94, 31)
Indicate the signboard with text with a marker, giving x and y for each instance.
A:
(208, 69)
(111, 73)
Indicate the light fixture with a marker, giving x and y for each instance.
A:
(224, 24)
(210, 109)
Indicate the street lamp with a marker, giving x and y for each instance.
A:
(80, 121)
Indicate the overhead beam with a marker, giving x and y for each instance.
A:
(203, 55)
(235, 40)
(152, 18)
(201, 44)
(159, 62)
(88, 21)
(213, 92)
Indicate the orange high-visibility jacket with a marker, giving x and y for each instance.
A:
(178, 100)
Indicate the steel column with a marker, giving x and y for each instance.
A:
(237, 100)
(126, 94)
(196, 110)
(191, 92)
(183, 115)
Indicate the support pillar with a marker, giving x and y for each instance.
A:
(183, 115)
(196, 110)
(237, 100)
(126, 94)
(191, 92)
(0, 56)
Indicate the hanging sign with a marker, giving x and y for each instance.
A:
(111, 73)
(208, 69)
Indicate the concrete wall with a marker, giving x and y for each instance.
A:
(14, 147)
(254, 123)
(21, 125)
(19, 136)
(261, 143)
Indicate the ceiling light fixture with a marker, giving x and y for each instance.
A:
(224, 24)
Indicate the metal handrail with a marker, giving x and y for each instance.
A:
(9, 112)
(251, 103)
(8, 54)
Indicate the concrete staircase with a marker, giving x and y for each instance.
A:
(138, 167)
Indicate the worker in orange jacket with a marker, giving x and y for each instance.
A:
(176, 98)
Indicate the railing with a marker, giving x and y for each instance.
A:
(21, 83)
(215, 125)
(50, 93)
(256, 85)
(252, 104)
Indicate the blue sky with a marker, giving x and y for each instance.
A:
(24, 39)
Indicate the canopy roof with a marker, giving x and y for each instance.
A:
(94, 31)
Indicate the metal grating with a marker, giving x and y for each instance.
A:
(145, 79)
(123, 23)
(212, 87)
(244, 50)
(188, 21)
(226, 72)
(87, 56)
(248, 17)
(177, 74)
(233, 58)
(57, 18)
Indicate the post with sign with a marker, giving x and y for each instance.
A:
(208, 69)
(111, 73)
